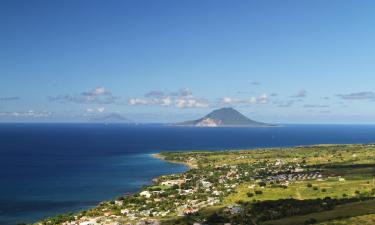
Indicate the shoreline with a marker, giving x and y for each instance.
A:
(159, 156)
(191, 163)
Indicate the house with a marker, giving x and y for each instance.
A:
(206, 184)
(90, 222)
(124, 211)
(109, 213)
(189, 211)
(233, 209)
(216, 193)
(119, 203)
(172, 182)
(145, 194)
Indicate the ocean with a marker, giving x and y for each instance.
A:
(47, 169)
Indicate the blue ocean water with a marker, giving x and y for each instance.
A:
(46, 169)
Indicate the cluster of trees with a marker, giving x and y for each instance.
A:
(277, 209)
(253, 213)
(59, 219)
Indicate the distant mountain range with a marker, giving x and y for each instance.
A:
(224, 117)
(111, 118)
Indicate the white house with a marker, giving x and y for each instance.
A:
(146, 194)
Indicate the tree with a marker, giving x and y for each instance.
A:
(250, 194)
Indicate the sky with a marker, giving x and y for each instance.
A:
(165, 61)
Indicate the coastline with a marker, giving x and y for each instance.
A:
(158, 156)
(161, 157)
(234, 167)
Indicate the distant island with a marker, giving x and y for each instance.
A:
(224, 117)
(111, 118)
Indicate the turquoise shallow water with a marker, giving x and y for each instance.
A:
(46, 169)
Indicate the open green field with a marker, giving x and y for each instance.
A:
(362, 220)
(348, 210)
(299, 190)
(348, 173)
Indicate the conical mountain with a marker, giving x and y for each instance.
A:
(111, 118)
(224, 117)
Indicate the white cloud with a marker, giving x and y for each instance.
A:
(98, 95)
(100, 109)
(228, 100)
(182, 98)
(27, 114)
(190, 103)
(139, 101)
(166, 101)
(254, 100)
(99, 91)
(263, 99)
(95, 110)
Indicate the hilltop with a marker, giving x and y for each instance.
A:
(224, 117)
(111, 118)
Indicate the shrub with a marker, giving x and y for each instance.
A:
(258, 192)
(315, 188)
(262, 184)
(121, 198)
(311, 221)
(250, 194)
(324, 190)
(309, 185)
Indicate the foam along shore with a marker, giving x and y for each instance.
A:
(190, 164)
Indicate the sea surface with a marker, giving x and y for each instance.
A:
(47, 169)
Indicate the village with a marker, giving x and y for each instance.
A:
(209, 183)
(204, 185)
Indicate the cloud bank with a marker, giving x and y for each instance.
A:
(365, 95)
(98, 95)
(182, 98)
(262, 99)
(26, 114)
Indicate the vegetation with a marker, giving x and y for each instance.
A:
(324, 184)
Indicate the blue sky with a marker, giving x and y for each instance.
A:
(165, 61)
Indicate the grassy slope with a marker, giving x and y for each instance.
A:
(355, 163)
(363, 220)
(356, 179)
(347, 210)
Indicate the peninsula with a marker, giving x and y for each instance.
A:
(322, 184)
